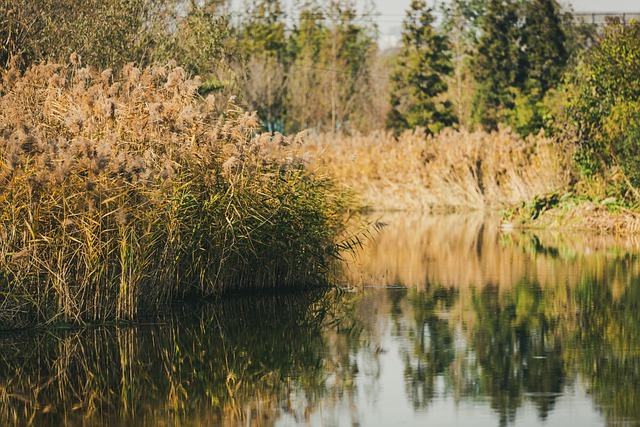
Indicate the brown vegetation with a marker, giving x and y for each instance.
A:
(451, 170)
(118, 193)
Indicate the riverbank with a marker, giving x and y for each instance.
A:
(574, 214)
(528, 180)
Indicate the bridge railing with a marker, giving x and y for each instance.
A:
(600, 18)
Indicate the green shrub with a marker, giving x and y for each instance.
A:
(603, 105)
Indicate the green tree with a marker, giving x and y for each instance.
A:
(497, 64)
(263, 31)
(544, 56)
(201, 44)
(462, 23)
(306, 91)
(604, 109)
(418, 81)
(545, 52)
(105, 33)
(263, 64)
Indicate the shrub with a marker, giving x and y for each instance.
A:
(120, 193)
(603, 106)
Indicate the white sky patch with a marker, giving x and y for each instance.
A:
(392, 12)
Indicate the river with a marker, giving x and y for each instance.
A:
(441, 320)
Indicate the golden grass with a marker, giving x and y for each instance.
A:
(452, 170)
(119, 193)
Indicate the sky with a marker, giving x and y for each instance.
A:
(392, 11)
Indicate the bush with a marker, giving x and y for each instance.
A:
(604, 107)
(118, 194)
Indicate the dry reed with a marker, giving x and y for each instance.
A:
(452, 170)
(122, 192)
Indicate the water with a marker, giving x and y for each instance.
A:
(446, 321)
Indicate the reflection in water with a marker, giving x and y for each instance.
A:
(480, 326)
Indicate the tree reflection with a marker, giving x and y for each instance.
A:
(256, 361)
(607, 347)
(432, 345)
(517, 350)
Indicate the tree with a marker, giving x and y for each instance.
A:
(306, 94)
(418, 80)
(345, 58)
(200, 44)
(544, 44)
(462, 23)
(603, 106)
(520, 55)
(497, 65)
(544, 57)
(264, 62)
(105, 33)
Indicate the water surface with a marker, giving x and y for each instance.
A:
(444, 321)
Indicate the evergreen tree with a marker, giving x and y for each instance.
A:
(263, 31)
(544, 44)
(497, 64)
(544, 56)
(461, 21)
(520, 55)
(418, 80)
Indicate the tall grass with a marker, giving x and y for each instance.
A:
(455, 169)
(119, 193)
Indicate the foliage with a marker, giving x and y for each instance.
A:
(418, 78)
(516, 52)
(119, 193)
(461, 21)
(497, 64)
(307, 83)
(316, 76)
(603, 107)
(106, 33)
(110, 34)
(202, 45)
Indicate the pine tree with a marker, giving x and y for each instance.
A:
(520, 55)
(497, 65)
(418, 80)
(544, 42)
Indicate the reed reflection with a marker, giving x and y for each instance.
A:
(228, 363)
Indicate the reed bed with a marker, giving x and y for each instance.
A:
(119, 193)
(455, 169)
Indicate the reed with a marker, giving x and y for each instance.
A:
(453, 170)
(119, 193)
